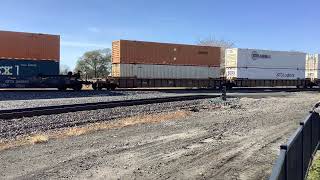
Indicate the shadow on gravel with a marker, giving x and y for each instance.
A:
(31, 95)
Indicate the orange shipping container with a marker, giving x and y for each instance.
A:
(139, 52)
(29, 46)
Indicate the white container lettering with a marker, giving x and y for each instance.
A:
(285, 75)
(17, 70)
(6, 70)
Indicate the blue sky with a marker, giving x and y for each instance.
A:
(93, 24)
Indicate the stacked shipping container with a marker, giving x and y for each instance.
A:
(150, 60)
(312, 66)
(28, 54)
(264, 64)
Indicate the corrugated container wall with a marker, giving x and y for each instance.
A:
(312, 66)
(29, 46)
(264, 64)
(151, 71)
(139, 52)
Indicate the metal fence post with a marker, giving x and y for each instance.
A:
(279, 170)
(303, 168)
(302, 150)
(224, 93)
(285, 167)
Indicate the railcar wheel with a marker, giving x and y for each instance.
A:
(77, 87)
(229, 86)
(113, 87)
(94, 86)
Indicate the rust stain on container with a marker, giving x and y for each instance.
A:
(139, 52)
(29, 46)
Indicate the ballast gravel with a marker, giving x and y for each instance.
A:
(15, 127)
(19, 100)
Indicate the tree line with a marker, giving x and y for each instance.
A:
(92, 64)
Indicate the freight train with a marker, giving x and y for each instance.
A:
(137, 64)
(29, 60)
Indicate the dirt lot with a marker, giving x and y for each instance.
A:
(236, 141)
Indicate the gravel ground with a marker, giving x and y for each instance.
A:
(12, 128)
(16, 100)
(29, 99)
(237, 140)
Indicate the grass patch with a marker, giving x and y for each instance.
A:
(121, 123)
(24, 140)
(75, 131)
(38, 138)
(89, 128)
(314, 172)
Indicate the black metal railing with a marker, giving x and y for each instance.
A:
(296, 156)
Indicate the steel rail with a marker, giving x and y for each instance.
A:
(59, 109)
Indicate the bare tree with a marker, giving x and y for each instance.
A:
(64, 69)
(211, 41)
(224, 44)
(295, 51)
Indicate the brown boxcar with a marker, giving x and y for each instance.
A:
(29, 46)
(139, 52)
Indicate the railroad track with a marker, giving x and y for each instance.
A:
(204, 90)
(49, 110)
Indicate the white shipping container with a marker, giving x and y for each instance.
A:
(312, 66)
(149, 71)
(264, 64)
